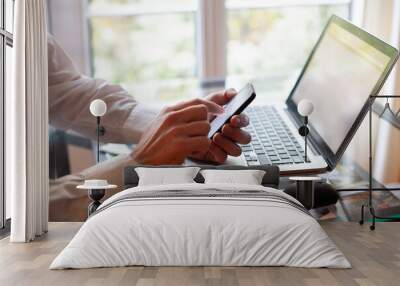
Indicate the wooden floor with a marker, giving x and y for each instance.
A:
(375, 257)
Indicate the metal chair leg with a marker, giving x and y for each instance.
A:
(372, 211)
(361, 222)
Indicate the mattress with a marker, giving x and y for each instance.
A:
(201, 225)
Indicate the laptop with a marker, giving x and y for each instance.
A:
(346, 65)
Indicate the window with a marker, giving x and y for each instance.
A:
(144, 46)
(6, 42)
(270, 42)
(136, 41)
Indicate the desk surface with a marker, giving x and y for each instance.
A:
(346, 174)
(375, 257)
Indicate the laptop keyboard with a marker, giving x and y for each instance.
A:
(272, 141)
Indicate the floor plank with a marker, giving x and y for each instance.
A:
(375, 257)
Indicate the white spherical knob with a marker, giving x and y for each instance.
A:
(98, 107)
(305, 107)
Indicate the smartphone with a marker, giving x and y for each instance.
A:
(239, 103)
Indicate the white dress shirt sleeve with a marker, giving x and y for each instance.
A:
(70, 94)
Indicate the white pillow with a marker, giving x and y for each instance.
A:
(165, 176)
(247, 177)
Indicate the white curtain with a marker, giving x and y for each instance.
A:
(27, 124)
(382, 18)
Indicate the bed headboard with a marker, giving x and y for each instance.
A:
(270, 179)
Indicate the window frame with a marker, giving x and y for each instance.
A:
(211, 28)
(6, 39)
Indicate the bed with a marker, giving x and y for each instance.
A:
(197, 224)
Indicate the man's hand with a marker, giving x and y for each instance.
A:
(177, 132)
(225, 143)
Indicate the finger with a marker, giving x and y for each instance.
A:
(197, 128)
(218, 155)
(188, 114)
(211, 106)
(236, 134)
(240, 121)
(223, 97)
(227, 145)
(195, 144)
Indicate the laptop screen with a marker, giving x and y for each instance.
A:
(342, 72)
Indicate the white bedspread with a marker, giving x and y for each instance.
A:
(183, 231)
